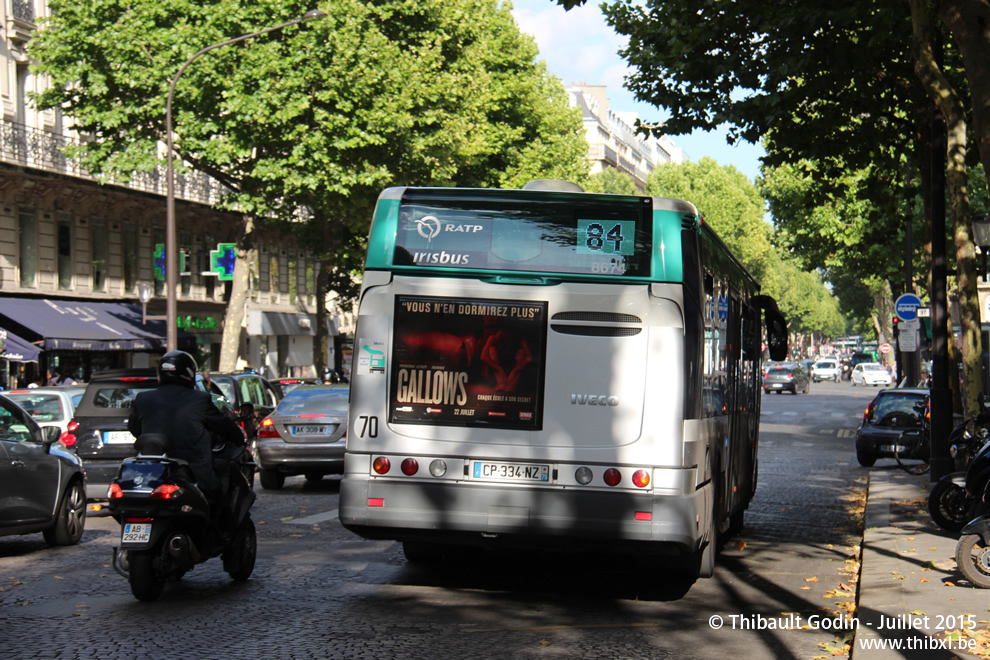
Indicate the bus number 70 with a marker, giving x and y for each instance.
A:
(369, 426)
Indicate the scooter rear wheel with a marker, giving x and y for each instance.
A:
(973, 560)
(238, 559)
(146, 584)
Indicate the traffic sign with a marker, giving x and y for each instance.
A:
(907, 306)
(885, 348)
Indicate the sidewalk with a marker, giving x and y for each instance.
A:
(909, 579)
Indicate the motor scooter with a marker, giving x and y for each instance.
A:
(973, 548)
(949, 503)
(167, 523)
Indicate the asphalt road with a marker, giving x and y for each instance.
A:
(320, 592)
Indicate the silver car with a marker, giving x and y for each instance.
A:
(49, 406)
(305, 434)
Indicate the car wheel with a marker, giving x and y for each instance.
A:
(865, 459)
(272, 480)
(71, 518)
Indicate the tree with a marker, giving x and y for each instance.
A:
(832, 82)
(311, 122)
(611, 180)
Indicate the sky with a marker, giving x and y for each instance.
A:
(579, 46)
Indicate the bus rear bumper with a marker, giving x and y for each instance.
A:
(483, 514)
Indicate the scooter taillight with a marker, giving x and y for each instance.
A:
(166, 491)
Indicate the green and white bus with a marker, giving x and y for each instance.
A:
(544, 368)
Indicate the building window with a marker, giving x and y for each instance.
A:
(273, 273)
(283, 275)
(185, 273)
(293, 277)
(98, 237)
(130, 246)
(64, 251)
(27, 237)
(263, 266)
(20, 103)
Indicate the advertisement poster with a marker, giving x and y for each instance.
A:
(468, 362)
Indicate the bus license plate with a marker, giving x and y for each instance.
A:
(310, 430)
(511, 471)
(135, 533)
(117, 438)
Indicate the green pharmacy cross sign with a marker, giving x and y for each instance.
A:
(222, 260)
(159, 261)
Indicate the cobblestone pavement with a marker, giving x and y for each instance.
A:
(320, 592)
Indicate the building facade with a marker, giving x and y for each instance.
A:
(78, 249)
(613, 140)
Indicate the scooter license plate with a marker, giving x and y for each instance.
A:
(135, 533)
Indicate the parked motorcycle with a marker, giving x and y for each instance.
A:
(949, 503)
(973, 548)
(167, 526)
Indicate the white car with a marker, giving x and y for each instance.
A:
(870, 373)
(49, 406)
(826, 370)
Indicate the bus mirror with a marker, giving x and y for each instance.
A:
(776, 327)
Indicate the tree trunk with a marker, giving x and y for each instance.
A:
(246, 255)
(950, 105)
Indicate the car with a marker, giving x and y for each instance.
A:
(305, 434)
(248, 386)
(42, 486)
(789, 377)
(286, 385)
(890, 414)
(858, 357)
(826, 369)
(870, 373)
(50, 406)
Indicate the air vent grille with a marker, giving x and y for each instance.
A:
(596, 317)
(594, 330)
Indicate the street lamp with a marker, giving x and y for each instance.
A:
(171, 315)
(144, 295)
(981, 236)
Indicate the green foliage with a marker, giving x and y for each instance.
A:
(732, 206)
(611, 180)
(315, 119)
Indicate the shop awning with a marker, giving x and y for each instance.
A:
(281, 323)
(15, 349)
(83, 325)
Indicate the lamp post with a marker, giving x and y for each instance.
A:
(171, 315)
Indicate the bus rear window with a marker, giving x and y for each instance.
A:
(564, 235)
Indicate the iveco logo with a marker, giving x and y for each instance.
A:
(428, 227)
(594, 400)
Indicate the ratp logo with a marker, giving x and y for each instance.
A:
(428, 227)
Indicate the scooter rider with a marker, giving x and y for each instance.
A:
(187, 416)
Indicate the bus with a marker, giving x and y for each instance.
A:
(547, 368)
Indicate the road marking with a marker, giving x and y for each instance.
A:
(314, 519)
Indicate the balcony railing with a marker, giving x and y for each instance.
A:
(29, 147)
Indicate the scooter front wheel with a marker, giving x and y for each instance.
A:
(949, 503)
(146, 582)
(973, 560)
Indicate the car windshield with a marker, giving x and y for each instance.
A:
(43, 407)
(315, 400)
(825, 365)
(780, 371)
(873, 367)
(227, 385)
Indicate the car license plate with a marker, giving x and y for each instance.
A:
(510, 471)
(309, 430)
(893, 448)
(135, 533)
(117, 438)
(776, 385)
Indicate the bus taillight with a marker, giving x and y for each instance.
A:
(612, 476)
(381, 465)
(438, 468)
(583, 475)
(641, 478)
(410, 466)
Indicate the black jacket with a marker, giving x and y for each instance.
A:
(187, 417)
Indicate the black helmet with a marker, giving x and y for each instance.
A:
(177, 367)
